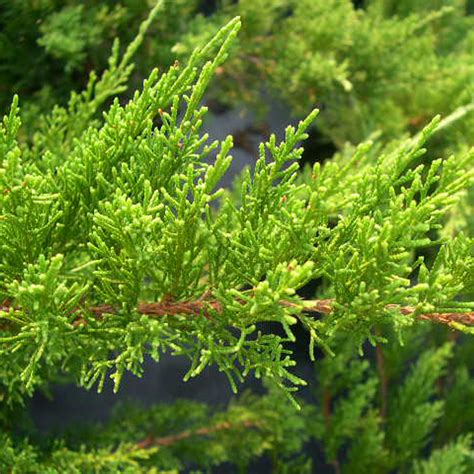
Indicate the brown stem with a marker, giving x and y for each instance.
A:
(383, 380)
(324, 306)
(203, 305)
(152, 441)
(327, 410)
(327, 414)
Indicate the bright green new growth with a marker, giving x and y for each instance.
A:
(122, 216)
(118, 244)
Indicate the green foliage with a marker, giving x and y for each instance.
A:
(346, 417)
(117, 243)
(388, 66)
(382, 416)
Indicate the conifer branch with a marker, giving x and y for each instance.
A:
(153, 442)
(203, 306)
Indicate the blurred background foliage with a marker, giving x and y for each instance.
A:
(379, 65)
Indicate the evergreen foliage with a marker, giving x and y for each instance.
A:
(388, 66)
(61, 41)
(118, 244)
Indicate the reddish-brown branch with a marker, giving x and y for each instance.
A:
(442, 318)
(467, 318)
(327, 415)
(203, 307)
(324, 306)
(152, 441)
(327, 407)
(383, 380)
(166, 307)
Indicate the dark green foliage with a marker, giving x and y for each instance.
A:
(348, 417)
(389, 66)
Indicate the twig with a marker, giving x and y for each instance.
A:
(151, 441)
(383, 390)
(323, 306)
(467, 318)
(327, 414)
(204, 305)
(327, 410)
